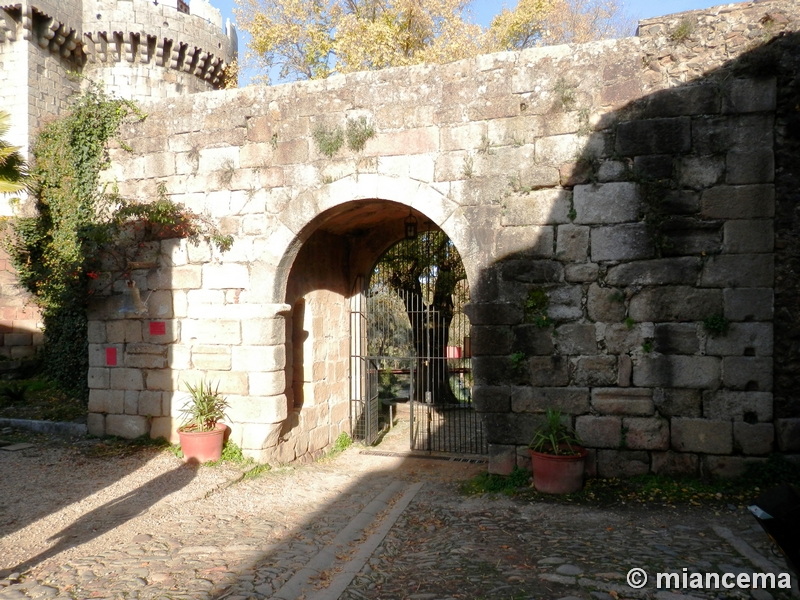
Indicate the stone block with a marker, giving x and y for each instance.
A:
(497, 340)
(622, 463)
(572, 401)
(162, 379)
(599, 432)
(654, 166)
(654, 136)
(499, 370)
(127, 426)
(788, 434)
(681, 101)
(676, 338)
(259, 358)
(124, 330)
(259, 436)
(678, 303)
(96, 332)
(267, 384)
(678, 403)
(622, 339)
(755, 438)
(621, 242)
(750, 373)
(223, 276)
(538, 207)
(742, 339)
(612, 170)
(531, 271)
(711, 135)
(572, 243)
(159, 305)
(98, 377)
(171, 333)
(164, 427)
(126, 379)
(494, 313)
(640, 433)
(257, 409)
(595, 370)
(263, 332)
(131, 402)
(677, 371)
(175, 278)
(743, 236)
(750, 166)
(664, 271)
(211, 331)
(150, 403)
(728, 467)
(700, 172)
(145, 360)
(623, 401)
(606, 203)
(211, 358)
(530, 241)
(492, 398)
(565, 303)
(530, 339)
(502, 459)
(229, 382)
(750, 407)
(605, 305)
(739, 202)
(749, 95)
(624, 370)
(749, 304)
(548, 371)
(96, 424)
(581, 273)
(576, 338)
(675, 464)
(702, 435)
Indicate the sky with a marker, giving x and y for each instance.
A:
(484, 10)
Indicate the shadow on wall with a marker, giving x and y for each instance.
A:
(642, 306)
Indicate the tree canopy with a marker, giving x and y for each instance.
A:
(312, 39)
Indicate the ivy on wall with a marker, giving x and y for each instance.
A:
(76, 223)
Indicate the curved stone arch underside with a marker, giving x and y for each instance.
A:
(308, 211)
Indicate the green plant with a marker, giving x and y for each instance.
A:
(486, 145)
(225, 175)
(518, 360)
(553, 437)
(358, 132)
(535, 307)
(329, 140)
(490, 483)
(273, 141)
(716, 325)
(467, 168)
(204, 408)
(647, 347)
(682, 31)
(565, 93)
(629, 322)
(14, 392)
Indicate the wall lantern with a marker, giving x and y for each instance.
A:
(411, 227)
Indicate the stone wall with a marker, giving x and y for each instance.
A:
(631, 183)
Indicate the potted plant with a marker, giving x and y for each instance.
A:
(201, 433)
(557, 457)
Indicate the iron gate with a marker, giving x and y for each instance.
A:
(415, 344)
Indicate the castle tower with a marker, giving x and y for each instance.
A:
(139, 49)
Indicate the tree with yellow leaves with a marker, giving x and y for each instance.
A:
(312, 39)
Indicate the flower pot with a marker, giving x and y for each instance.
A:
(558, 473)
(202, 446)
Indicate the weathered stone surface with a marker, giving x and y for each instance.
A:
(702, 435)
(623, 401)
(548, 371)
(96, 424)
(678, 403)
(624, 370)
(654, 136)
(493, 313)
(683, 101)
(568, 400)
(572, 243)
(641, 433)
(126, 379)
(683, 270)
(621, 338)
(539, 207)
(750, 407)
(742, 339)
(492, 398)
(621, 242)
(529, 339)
(126, 426)
(750, 166)
(622, 463)
(581, 273)
(676, 338)
(728, 467)
(696, 372)
(749, 304)
(700, 172)
(756, 438)
(712, 135)
(788, 434)
(605, 304)
(599, 432)
(492, 340)
(502, 458)
(674, 463)
(679, 303)
(749, 95)
(575, 338)
(749, 373)
(565, 303)
(532, 271)
(594, 370)
(534, 241)
(739, 202)
(744, 236)
(606, 203)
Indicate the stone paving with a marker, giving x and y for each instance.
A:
(378, 527)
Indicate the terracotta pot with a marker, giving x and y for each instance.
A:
(202, 446)
(558, 473)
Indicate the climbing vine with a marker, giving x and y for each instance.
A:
(59, 247)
